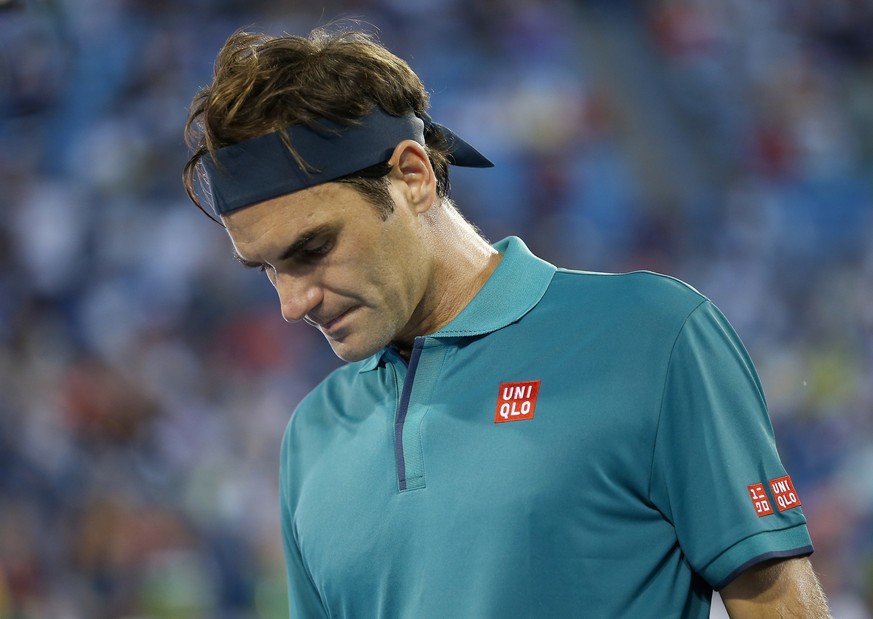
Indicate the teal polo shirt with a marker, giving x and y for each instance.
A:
(572, 444)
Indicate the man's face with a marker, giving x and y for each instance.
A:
(336, 263)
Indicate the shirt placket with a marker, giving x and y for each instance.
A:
(420, 376)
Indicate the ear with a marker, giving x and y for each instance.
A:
(411, 166)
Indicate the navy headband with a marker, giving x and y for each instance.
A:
(262, 168)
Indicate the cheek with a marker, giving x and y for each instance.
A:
(384, 266)
(400, 273)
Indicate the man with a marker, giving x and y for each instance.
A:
(508, 439)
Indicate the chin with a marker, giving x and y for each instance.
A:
(363, 340)
(350, 352)
(350, 356)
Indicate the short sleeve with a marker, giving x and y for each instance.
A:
(716, 468)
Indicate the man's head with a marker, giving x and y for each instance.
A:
(265, 84)
(297, 139)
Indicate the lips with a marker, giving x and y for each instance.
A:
(327, 327)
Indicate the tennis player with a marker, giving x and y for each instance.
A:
(508, 438)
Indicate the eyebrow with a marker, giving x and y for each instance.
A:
(291, 250)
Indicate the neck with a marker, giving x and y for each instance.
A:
(462, 261)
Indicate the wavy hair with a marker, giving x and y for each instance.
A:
(264, 83)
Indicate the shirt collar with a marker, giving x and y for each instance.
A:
(516, 286)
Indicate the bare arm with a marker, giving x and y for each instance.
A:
(776, 589)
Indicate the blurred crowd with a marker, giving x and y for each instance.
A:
(146, 379)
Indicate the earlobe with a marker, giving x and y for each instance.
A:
(412, 166)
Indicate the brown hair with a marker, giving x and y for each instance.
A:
(265, 83)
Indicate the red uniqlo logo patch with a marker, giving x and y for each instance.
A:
(516, 401)
(784, 493)
(760, 500)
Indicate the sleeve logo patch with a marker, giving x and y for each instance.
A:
(760, 500)
(784, 493)
(516, 401)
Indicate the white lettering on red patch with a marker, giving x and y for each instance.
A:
(760, 500)
(784, 493)
(516, 401)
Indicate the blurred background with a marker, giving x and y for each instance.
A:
(146, 379)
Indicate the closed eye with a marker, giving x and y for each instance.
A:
(309, 247)
(249, 264)
(311, 254)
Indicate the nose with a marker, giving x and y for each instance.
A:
(297, 296)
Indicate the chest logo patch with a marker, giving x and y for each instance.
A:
(516, 401)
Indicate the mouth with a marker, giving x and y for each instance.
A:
(332, 325)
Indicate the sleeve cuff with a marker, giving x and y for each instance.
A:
(783, 544)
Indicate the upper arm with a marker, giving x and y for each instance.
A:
(715, 456)
(777, 588)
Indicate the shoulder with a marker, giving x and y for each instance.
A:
(639, 296)
(632, 285)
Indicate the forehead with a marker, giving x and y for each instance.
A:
(259, 226)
